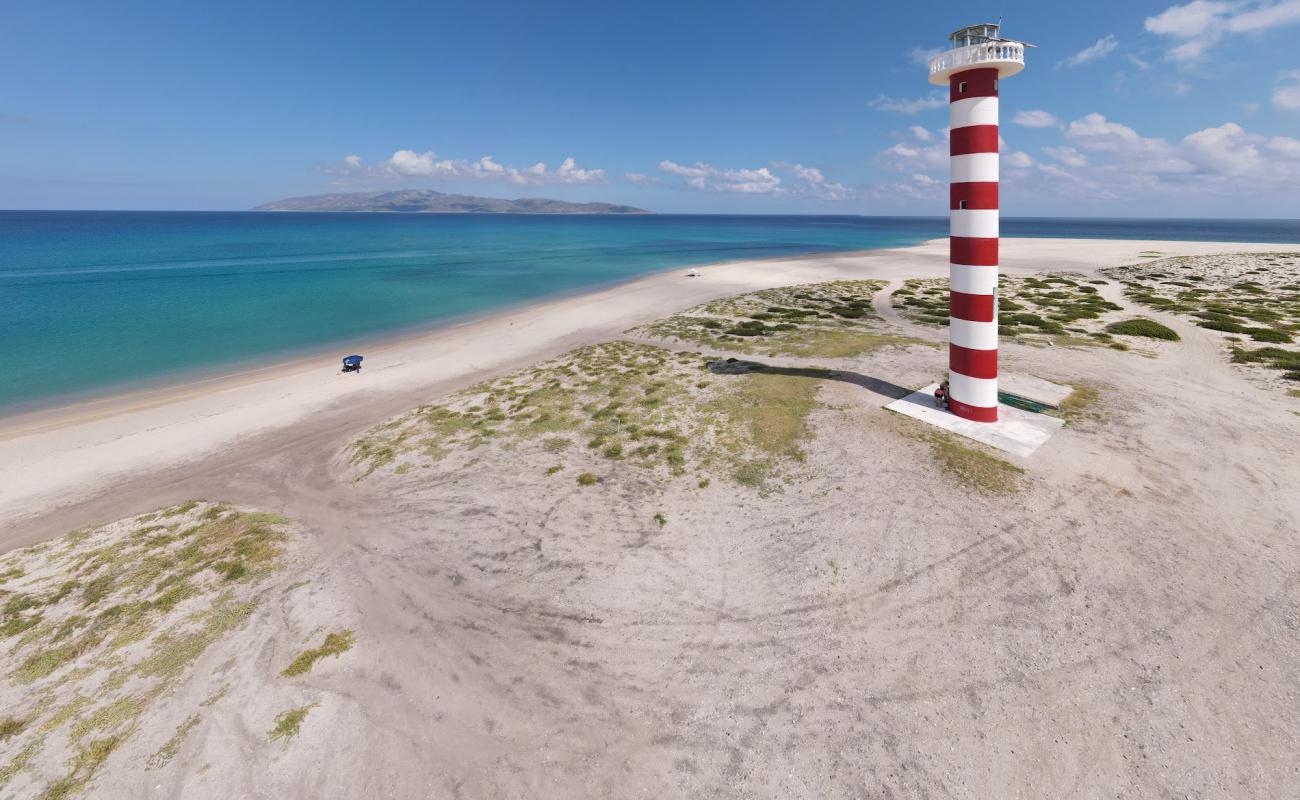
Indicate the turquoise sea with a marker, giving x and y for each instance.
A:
(97, 302)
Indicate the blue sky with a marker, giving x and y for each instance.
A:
(1126, 108)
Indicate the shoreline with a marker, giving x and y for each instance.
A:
(183, 383)
(68, 466)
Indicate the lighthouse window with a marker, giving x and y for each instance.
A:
(961, 204)
(961, 87)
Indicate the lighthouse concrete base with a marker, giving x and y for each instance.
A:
(1016, 431)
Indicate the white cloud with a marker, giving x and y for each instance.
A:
(408, 164)
(1286, 147)
(1147, 155)
(918, 186)
(570, 172)
(1017, 159)
(1190, 20)
(708, 178)
(1102, 48)
(1287, 96)
(1104, 159)
(640, 179)
(911, 157)
(1275, 15)
(913, 106)
(1227, 149)
(1036, 119)
(921, 151)
(1201, 24)
(778, 178)
(1067, 156)
(1101, 134)
(814, 183)
(922, 55)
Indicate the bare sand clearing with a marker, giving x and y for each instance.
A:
(470, 616)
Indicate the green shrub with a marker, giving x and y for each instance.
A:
(1266, 334)
(1222, 325)
(587, 479)
(1275, 357)
(1141, 326)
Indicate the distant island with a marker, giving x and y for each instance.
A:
(429, 201)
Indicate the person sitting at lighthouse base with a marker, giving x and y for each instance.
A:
(941, 395)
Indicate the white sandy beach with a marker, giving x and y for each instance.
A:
(62, 458)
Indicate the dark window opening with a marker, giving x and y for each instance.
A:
(961, 87)
(961, 204)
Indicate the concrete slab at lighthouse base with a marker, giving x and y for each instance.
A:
(1036, 389)
(1016, 431)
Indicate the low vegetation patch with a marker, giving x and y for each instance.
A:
(638, 406)
(1141, 326)
(288, 723)
(173, 745)
(1240, 296)
(1081, 404)
(11, 726)
(817, 320)
(970, 465)
(973, 467)
(1278, 358)
(335, 644)
(1062, 308)
(770, 412)
(105, 622)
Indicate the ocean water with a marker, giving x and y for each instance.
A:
(97, 302)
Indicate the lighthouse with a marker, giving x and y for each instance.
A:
(972, 68)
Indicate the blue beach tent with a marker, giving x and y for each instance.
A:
(351, 363)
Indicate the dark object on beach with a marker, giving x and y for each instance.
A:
(352, 364)
(941, 395)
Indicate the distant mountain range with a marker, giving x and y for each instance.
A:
(429, 201)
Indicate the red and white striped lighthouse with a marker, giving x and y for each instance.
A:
(971, 69)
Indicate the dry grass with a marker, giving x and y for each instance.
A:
(774, 408)
(635, 405)
(173, 745)
(817, 320)
(972, 466)
(109, 620)
(1081, 404)
(335, 644)
(288, 723)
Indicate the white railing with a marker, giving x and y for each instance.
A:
(989, 52)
